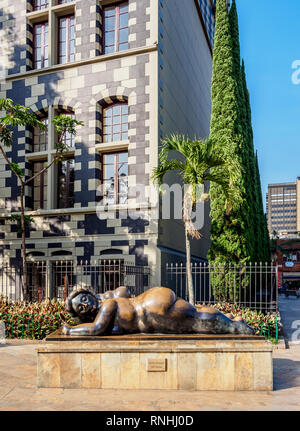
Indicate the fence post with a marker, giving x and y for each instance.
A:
(66, 287)
(2, 332)
(49, 280)
(276, 277)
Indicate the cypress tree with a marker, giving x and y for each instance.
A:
(245, 147)
(241, 235)
(229, 231)
(265, 237)
(261, 228)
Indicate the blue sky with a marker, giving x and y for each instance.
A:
(270, 43)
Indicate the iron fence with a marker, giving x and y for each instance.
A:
(57, 279)
(254, 286)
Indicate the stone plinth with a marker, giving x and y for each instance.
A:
(186, 362)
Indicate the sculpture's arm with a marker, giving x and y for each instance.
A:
(100, 324)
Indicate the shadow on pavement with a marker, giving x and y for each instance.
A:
(286, 373)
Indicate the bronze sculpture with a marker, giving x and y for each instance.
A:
(157, 310)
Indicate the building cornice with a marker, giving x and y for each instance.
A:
(62, 67)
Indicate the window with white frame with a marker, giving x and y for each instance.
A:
(115, 19)
(115, 123)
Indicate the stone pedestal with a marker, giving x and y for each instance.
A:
(186, 362)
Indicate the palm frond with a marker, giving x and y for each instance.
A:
(165, 167)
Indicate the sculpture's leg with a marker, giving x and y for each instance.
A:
(213, 322)
(239, 326)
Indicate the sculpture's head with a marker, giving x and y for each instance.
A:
(83, 304)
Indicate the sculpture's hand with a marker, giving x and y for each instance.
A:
(66, 329)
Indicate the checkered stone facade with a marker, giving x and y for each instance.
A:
(93, 82)
(207, 8)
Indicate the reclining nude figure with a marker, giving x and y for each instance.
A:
(157, 310)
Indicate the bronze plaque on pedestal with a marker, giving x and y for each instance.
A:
(156, 364)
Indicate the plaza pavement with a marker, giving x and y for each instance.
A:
(18, 389)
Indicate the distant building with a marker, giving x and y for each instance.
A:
(283, 208)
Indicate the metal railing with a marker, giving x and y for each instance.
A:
(252, 286)
(57, 279)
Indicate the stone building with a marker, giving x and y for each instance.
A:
(132, 71)
(283, 209)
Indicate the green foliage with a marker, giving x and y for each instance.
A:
(235, 236)
(16, 218)
(16, 168)
(64, 124)
(229, 242)
(199, 157)
(264, 236)
(15, 115)
(33, 320)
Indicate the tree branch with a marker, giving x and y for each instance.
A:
(42, 171)
(10, 164)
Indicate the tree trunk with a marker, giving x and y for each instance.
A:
(188, 267)
(25, 287)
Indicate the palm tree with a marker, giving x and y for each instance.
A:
(200, 162)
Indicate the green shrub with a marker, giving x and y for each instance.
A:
(33, 320)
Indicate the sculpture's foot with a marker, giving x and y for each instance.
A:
(241, 327)
(117, 331)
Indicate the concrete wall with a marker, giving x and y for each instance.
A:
(185, 99)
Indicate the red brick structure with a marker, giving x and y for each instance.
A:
(287, 257)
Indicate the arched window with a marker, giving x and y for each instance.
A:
(115, 123)
(111, 251)
(61, 253)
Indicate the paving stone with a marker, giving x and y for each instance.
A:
(18, 389)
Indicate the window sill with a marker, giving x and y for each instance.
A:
(69, 152)
(37, 156)
(59, 8)
(112, 146)
(38, 16)
(43, 155)
(65, 8)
